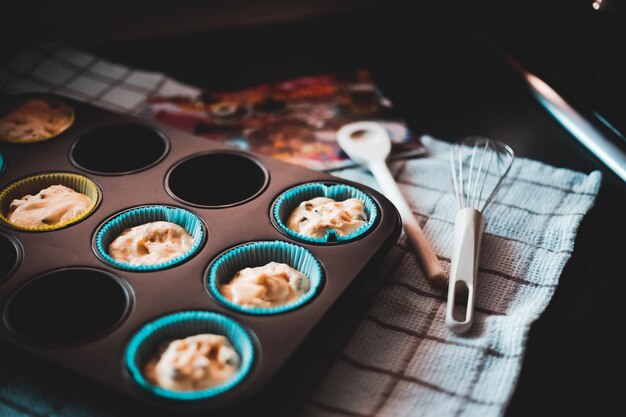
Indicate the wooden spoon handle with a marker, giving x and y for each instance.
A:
(414, 232)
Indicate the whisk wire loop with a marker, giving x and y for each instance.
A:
(475, 162)
(482, 188)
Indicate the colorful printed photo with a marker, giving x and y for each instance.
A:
(294, 120)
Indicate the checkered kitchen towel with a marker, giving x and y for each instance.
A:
(54, 67)
(401, 361)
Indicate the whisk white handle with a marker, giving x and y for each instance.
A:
(414, 233)
(468, 231)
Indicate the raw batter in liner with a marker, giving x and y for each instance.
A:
(193, 363)
(270, 285)
(151, 244)
(35, 120)
(316, 216)
(53, 205)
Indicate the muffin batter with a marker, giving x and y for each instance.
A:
(316, 216)
(35, 120)
(192, 364)
(53, 205)
(270, 285)
(151, 244)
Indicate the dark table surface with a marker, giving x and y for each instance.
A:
(448, 83)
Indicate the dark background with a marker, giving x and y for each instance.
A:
(441, 67)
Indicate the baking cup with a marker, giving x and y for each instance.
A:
(290, 199)
(259, 254)
(54, 104)
(2, 164)
(35, 183)
(113, 227)
(147, 341)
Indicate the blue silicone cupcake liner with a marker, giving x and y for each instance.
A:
(259, 254)
(142, 215)
(290, 199)
(180, 325)
(1, 163)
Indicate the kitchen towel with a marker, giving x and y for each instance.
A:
(55, 67)
(401, 359)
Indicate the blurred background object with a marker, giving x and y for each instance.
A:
(120, 20)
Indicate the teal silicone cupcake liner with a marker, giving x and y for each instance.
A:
(290, 199)
(259, 254)
(142, 215)
(1, 163)
(149, 338)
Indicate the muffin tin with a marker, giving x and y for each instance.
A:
(62, 300)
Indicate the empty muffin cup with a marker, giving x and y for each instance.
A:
(258, 254)
(289, 200)
(216, 179)
(116, 225)
(35, 119)
(33, 184)
(149, 339)
(67, 307)
(119, 149)
(10, 255)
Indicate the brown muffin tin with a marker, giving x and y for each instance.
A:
(60, 301)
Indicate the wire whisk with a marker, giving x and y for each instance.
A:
(478, 167)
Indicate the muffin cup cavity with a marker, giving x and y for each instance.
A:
(257, 254)
(291, 199)
(67, 307)
(216, 179)
(35, 183)
(119, 149)
(147, 340)
(113, 227)
(10, 256)
(40, 106)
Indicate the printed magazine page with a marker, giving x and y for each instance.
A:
(294, 120)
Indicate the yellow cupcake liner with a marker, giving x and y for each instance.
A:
(66, 107)
(35, 183)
